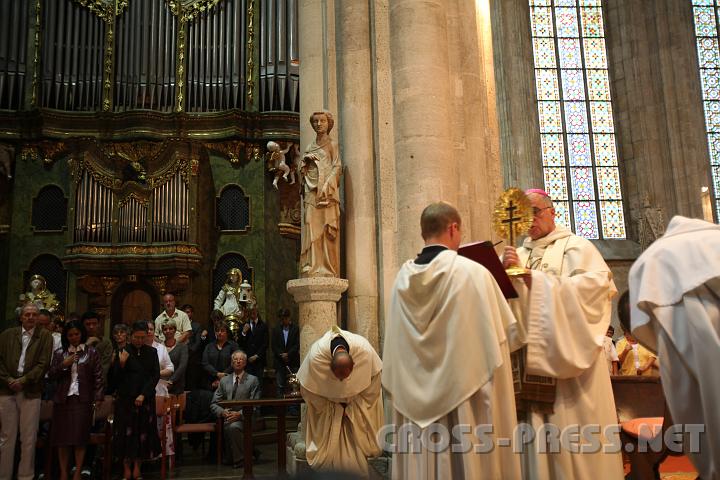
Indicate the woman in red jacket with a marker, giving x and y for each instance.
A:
(78, 372)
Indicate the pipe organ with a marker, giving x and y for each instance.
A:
(162, 55)
(93, 210)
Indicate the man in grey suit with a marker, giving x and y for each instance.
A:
(238, 386)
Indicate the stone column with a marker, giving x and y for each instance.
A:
(422, 109)
(355, 116)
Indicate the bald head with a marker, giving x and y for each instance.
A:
(342, 364)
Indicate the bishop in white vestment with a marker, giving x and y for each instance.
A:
(344, 403)
(566, 313)
(675, 311)
(448, 336)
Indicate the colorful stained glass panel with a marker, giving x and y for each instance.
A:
(710, 83)
(598, 85)
(547, 84)
(608, 182)
(576, 120)
(703, 2)
(550, 121)
(613, 220)
(556, 183)
(580, 170)
(601, 113)
(573, 85)
(569, 50)
(714, 143)
(592, 22)
(605, 150)
(595, 53)
(716, 178)
(712, 115)
(583, 187)
(541, 19)
(562, 214)
(586, 219)
(553, 151)
(705, 22)
(544, 53)
(566, 22)
(579, 150)
(708, 55)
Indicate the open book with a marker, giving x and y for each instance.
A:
(484, 254)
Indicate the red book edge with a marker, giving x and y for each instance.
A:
(484, 254)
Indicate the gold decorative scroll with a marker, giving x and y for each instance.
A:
(250, 75)
(134, 250)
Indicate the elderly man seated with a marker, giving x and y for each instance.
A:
(238, 386)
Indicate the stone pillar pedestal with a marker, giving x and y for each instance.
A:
(317, 298)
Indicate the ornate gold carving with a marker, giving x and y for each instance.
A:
(99, 174)
(46, 151)
(178, 283)
(36, 56)
(119, 250)
(186, 10)
(104, 9)
(160, 283)
(235, 151)
(253, 152)
(132, 195)
(109, 284)
(180, 73)
(108, 65)
(250, 75)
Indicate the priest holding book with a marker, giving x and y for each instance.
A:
(566, 300)
(446, 360)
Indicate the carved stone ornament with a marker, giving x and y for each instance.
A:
(651, 223)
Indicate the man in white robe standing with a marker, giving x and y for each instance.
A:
(567, 311)
(448, 336)
(675, 311)
(340, 382)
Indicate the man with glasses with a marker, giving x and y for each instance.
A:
(566, 300)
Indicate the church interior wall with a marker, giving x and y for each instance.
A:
(657, 108)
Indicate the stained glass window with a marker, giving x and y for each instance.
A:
(577, 131)
(706, 33)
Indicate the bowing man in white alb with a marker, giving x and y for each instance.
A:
(340, 382)
(675, 311)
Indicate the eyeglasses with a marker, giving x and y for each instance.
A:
(536, 210)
